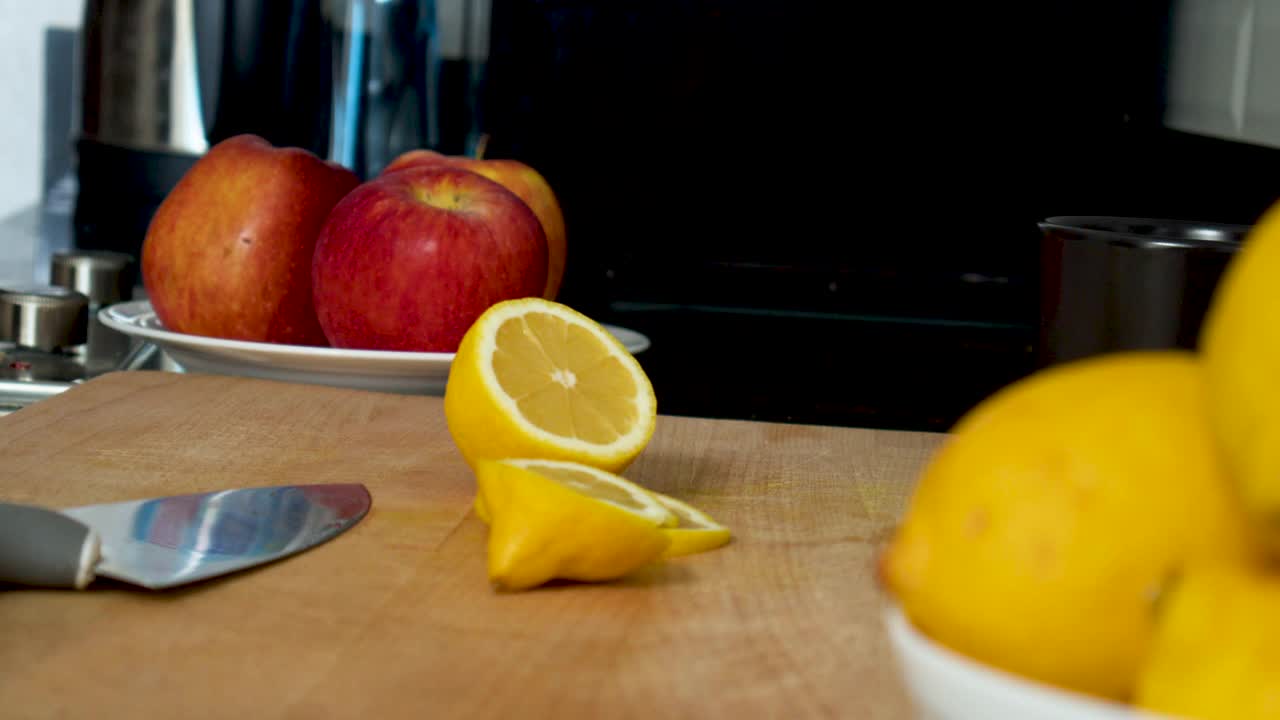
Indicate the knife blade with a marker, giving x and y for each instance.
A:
(162, 542)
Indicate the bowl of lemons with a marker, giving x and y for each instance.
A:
(1213, 657)
(1099, 539)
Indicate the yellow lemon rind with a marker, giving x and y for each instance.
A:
(688, 540)
(542, 530)
(487, 424)
(654, 509)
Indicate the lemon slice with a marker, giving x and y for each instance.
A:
(535, 378)
(694, 531)
(606, 487)
(558, 519)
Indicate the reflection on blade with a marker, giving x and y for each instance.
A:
(169, 541)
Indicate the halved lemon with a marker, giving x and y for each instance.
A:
(535, 378)
(694, 530)
(558, 519)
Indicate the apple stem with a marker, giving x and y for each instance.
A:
(481, 145)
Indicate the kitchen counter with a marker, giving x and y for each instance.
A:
(395, 618)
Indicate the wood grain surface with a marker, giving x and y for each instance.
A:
(395, 618)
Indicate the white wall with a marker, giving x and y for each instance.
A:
(1224, 69)
(22, 94)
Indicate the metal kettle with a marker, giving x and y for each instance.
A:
(163, 80)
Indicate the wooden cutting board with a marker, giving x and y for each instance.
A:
(395, 618)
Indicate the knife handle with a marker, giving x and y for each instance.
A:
(46, 548)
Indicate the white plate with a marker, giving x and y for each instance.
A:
(945, 685)
(413, 373)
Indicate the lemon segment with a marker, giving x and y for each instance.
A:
(558, 519)
(603, 486)
(693, 532)
(535, 378)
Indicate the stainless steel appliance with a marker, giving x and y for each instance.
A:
(50, 335)
(162, 80)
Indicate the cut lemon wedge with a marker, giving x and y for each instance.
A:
(535, 378)
(596, 483)
(557, 519)
(694, 531)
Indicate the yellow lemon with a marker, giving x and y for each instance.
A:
(482, 512)
(693, 530)
(1043, 529)
(1216, 651)
(558, 519)
(534, 378)
(1240, 343)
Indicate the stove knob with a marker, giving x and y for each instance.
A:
(44, 317)
(104, 277)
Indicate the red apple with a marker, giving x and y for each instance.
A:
(520, 179)
(409, 260)
(228, 252)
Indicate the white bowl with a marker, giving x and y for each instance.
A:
(945, 685)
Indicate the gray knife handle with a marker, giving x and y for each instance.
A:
(45, 548)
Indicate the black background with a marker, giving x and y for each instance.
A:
(824, 212)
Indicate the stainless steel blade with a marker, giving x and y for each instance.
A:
(162, 542)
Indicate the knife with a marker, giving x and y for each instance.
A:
(162, 542)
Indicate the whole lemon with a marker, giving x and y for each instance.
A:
(1042, 531)
(1216, 652)
(1240, 343)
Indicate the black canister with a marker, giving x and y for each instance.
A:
(1122, 283)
